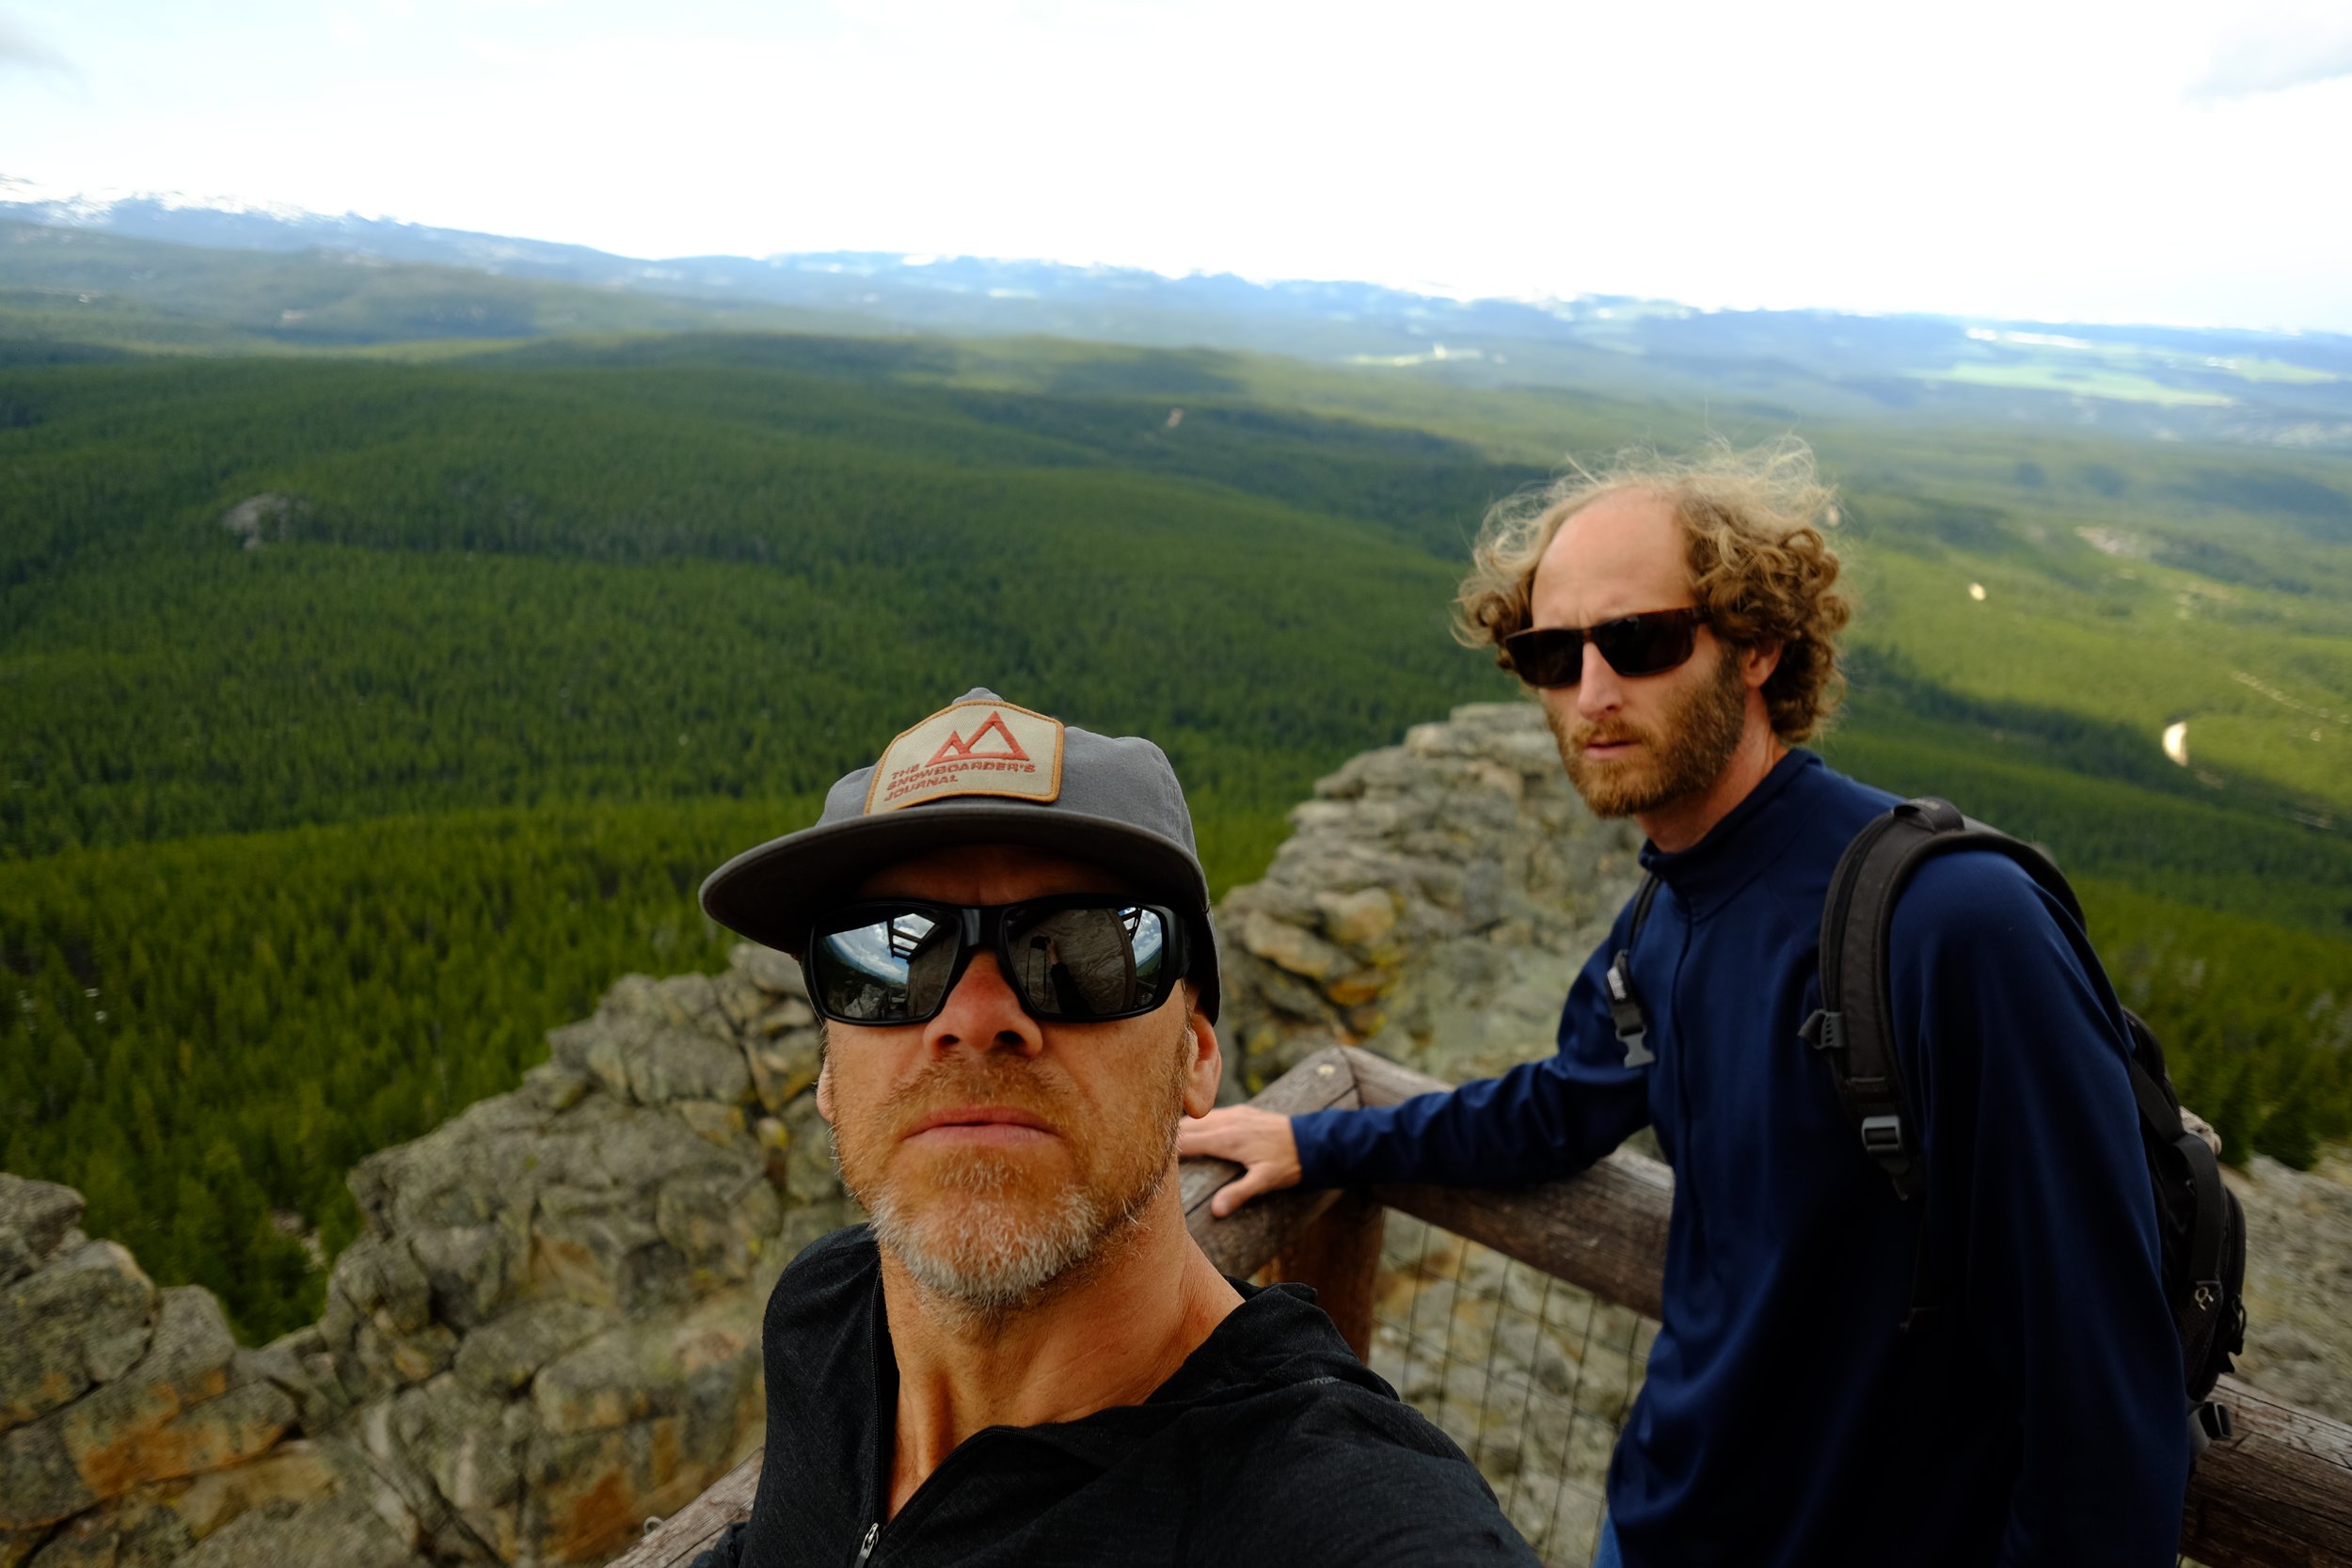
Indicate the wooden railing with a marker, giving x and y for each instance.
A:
(2276, 1494)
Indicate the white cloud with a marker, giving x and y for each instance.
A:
(21, 50)
(2274, 53)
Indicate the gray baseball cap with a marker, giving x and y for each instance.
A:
(980, 770)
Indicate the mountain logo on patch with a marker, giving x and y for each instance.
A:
(980, 747)
(958, 749)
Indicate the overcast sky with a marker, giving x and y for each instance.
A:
(2143, 160)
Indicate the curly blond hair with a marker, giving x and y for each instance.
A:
(1760, 566)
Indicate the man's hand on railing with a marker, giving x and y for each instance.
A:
(1258, 1141)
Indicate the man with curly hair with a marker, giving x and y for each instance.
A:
(1678, 621)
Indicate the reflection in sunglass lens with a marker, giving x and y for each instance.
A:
(887, 966)
(1087, 963)
(875, 969)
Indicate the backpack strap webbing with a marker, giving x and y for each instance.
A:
(2196, 1317)
(1855, 1026)
(1625, 1004)
(2160, 1125)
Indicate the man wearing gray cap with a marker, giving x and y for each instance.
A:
(1024, 1358)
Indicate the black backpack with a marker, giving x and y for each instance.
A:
(2203, 1231)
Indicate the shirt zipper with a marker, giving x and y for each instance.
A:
(925, 1495)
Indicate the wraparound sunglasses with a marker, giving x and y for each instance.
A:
(1649, 644)
(1074, 959)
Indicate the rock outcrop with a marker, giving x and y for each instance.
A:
(2299, 1281)
(547, 1330)
(1433, 902)
(131, 1423)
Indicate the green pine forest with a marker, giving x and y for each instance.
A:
(304, 847)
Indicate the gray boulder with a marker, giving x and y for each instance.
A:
(1433, 903)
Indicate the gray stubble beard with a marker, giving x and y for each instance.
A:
(995, 1260)
(988, 1259)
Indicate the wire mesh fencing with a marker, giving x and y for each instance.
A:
(1531, 1376)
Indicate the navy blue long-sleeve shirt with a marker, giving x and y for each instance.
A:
(1787, 1419)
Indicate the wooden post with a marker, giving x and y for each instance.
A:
(680, 1538)
(1241, 1244)
(1340, 1256)
(2277, 1491)
(1603, 1230)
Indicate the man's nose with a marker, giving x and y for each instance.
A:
(1600, 691)
(983, 1014)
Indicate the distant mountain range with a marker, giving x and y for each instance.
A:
(2274, 388)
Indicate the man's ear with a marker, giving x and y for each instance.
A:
(1204, 1064)
(824, 1087)
(1757, 663)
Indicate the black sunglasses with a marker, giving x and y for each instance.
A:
(1075, 958)
(1649, 644)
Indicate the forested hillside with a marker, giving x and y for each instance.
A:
(312, 824)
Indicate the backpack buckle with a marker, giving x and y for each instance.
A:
(2208, 1424)
(1882, 1135)
(1626, 1013)
(1824, 1031)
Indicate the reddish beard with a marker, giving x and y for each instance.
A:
(1691, 744)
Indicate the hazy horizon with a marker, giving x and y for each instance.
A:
(2100, 162)
(14, 189)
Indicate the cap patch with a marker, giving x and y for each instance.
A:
(982, 748)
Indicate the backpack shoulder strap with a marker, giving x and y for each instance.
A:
(1854, 1028)
(1625, 1012)
(2209, 1285)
